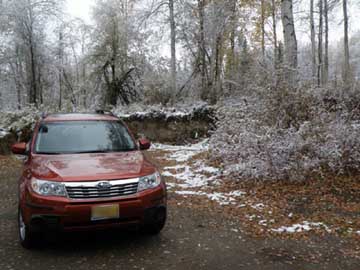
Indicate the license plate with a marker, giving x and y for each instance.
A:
(101, 212)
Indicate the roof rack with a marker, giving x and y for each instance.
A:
(101, 111)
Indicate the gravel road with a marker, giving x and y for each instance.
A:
(192, 239)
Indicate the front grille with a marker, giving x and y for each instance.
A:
(94, 190)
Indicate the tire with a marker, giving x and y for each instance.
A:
(157, 223)
(27, 238)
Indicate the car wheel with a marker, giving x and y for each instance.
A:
(27, 238)
(157, 223)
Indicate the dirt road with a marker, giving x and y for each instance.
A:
(192, 239)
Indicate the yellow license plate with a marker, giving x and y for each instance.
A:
(101, 212)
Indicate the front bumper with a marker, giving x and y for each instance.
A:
(55, 213)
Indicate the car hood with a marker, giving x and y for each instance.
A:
(82, 167)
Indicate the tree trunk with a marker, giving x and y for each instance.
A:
(290, 42)
(320, 46)
(83, 73)
(346, 72)
(230, 61)
(33, 83)
(262, 6)
(173, 46)
(326, 55)
(273, 14)
(201, 49)
(313, 43)
(31, 44)
(17, 75)
(60, 71)
(39, 78)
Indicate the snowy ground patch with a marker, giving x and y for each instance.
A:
(181, 153)
(221, 198)
(301, 227)
(189, 175)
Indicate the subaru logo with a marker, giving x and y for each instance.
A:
(103, 185)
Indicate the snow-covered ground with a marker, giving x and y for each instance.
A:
(301, 227)
(221, 198)
(189, 174)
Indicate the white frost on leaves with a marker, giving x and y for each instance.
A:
(3, 133)
(18, 119)
(256, 140)
(258, 206)
(237, 193)
(263, 222)
(138, 109)
(301, 227)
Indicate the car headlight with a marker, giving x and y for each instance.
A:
(48, 188)
(149, 181)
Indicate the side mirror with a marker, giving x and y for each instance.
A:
(144, 144)
(19, 148)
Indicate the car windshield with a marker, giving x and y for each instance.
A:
(83, 137)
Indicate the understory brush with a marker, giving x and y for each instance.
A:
(287, 134)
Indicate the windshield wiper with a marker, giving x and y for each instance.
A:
(126, 150)
(49, 153)
(104, 151)
(92, 152)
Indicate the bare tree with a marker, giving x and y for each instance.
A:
(29, 17)
(173, 46)
(346, 72)
(61, 68)
(326, 49)
(273, 15)
(262, 23)
(320, 46)
(202, 48)
(312, 37)
(290, 41)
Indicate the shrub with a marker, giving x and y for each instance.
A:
(288, 134)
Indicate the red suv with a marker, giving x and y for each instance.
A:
(83, 172)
